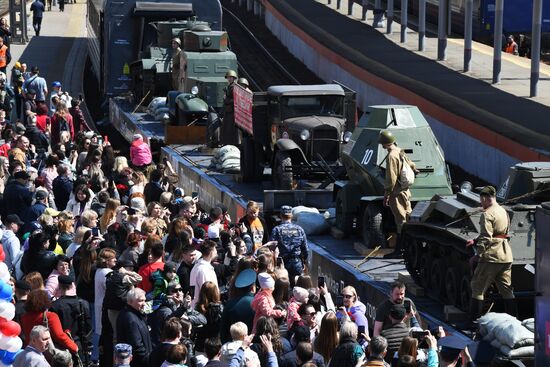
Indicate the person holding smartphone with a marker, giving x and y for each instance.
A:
(355, 310)
(254, 225)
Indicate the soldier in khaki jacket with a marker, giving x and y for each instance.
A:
(176, 54)
(493, 254)
(395, 196)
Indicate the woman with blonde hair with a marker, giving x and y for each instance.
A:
(109, 215)
(62, 125)
(327, 340)
(120, 163)
(4, 164)
(139, 180)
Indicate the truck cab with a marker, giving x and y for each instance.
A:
(301, 129)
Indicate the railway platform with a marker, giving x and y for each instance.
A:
(60, 50)
(471, 117)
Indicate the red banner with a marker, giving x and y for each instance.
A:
(242, 101)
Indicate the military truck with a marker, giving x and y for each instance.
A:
(298, 131)
(359, 200)
(435, 237)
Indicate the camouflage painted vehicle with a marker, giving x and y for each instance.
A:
(359, 201)
(435, 237)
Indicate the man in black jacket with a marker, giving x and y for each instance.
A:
(62, 187)
(132, 328)
(17, 196)
(36, 136)
(74, 314)
(184, 271)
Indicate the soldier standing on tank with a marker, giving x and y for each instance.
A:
(292, 243)
(229, 132)
(176, 54)
(243, 82)
(493, 255)
(395, 196)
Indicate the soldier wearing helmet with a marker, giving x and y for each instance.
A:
(243, 82)
(229, 132)
(395, 196)
(176, 55)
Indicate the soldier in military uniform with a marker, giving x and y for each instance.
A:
(176, 54)
(292, 242)
(395, 196)
(493, 255)
(229, 132)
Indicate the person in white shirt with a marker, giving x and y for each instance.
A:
(203, 271)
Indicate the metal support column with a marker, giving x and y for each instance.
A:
(350, 7)
(421, 24)
(338, 3)
(535, 46)
(390, 17)
(468, 34)
(18, 21)
(404, 19)
(497, 46)
(442, 30)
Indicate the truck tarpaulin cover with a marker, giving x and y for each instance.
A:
(242, 100)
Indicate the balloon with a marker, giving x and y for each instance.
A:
(3, 353)
(4, 272)
(3, 343)
(10, 328)
(6, 291)
(7, 310)
(9, 357)
(2, 254)
(14, 344)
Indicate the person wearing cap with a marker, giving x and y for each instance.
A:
(140, 153)
(74, 313)
(239, 308)
(162, 279)
(36, 83)
(452, 347)
(22, 289)
(263, 303)
(395, 333)
(32, 213)
(176, 54)
(122, 355)
(292, 242)
(132, 328)
(63, 96)
(397, 197)
(493, 255)
(229, 132)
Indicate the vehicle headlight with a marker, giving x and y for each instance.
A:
(466, 187)
(195, 90)
(304, 134)
(347, 136)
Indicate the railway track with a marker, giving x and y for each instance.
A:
(263, 60)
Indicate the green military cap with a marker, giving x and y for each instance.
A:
(488, 191)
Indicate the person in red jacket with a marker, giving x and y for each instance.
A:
(154, 263)
(37, 313)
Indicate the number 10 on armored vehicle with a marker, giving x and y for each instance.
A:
(298, 131)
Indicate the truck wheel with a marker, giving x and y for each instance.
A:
(249, 161)
(282, 179)
(344, 219)
(373, 234)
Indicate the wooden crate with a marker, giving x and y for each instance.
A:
(176, 134)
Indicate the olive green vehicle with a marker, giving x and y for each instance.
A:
(435, 237)
(359, 200)
(298, 131)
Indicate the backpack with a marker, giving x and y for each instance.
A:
(406, 176)
(115, 291)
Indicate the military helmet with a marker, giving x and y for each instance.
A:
(177, 40)
(386, 137)
(231, 73)
(243, 82)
